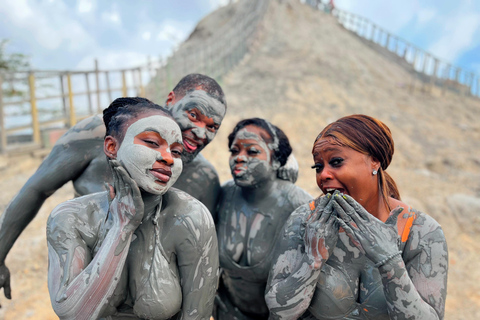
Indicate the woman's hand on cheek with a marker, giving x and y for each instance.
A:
(377, 240)
(127, 204)
(321, 233)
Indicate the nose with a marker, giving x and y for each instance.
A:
(325, 175)
(240, 158)
(166, 157)
(200, 131)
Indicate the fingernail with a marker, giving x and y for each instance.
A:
(344, 197)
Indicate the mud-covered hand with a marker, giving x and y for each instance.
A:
(377, 240)
(5, 281)
(126, 203)
(321, 232)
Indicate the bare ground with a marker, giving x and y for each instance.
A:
(305, 72)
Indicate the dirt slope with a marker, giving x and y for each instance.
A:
(305, 72)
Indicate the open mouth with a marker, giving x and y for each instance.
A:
(190, 145)
(332, 190)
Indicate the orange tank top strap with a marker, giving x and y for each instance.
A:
(404, 223)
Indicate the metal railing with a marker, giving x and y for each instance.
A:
(422, 64)
(59, 99)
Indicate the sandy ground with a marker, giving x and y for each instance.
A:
(305, 72)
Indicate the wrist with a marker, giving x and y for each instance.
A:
(392, 258)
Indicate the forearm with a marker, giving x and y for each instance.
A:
(85, 296)
(19, 213)
(403, 299)
(290, 297)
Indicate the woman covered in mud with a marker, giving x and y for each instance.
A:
(141, 250)
(358, 252)
(252, 210)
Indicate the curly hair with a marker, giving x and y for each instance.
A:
(195, 81)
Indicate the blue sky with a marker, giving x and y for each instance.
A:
(61, 34)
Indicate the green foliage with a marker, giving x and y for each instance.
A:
(9, 64)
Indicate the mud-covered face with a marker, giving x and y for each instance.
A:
(151, 153)
(251, 161)
(346, 170)
(199, 116)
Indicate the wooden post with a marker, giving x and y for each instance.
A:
(89, 94)
(34, 111)
(3, 130)
(64, 101)
(97, 81)
(72, 119)
(124, 84)
(109, 91)
(142, 88)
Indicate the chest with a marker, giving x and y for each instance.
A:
(349, 286)
(247, 232)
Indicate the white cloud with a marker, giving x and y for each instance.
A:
(84, 6)
(214, 4)
(173, 31)
(49, 25)
(458, 35)
(111, 17)
(425, 15)
(146, 35)
(112, 60)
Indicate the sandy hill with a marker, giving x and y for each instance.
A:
(304, 72)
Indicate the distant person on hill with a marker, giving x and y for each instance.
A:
(141, 250)
(198, 105)
(252, 210)
(358, 252)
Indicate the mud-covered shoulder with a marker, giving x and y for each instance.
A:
(228, 185)
(91, 128)
(79, 217)
(296, 196)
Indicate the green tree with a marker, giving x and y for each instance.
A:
(10, 63)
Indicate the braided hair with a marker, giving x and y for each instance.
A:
(123, 109)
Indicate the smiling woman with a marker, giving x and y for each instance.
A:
(358, 252)
(140, 250)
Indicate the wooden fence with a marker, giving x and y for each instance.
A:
(35, 103)
(423, 65)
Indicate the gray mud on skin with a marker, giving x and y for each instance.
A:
(141, 255)
(205, 104)
(410, 286)
(252, 211)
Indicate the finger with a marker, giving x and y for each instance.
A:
(357, 207)
(351, 218)
(121, 182)
(319, 206)
(6, 289)
(327, 213)
(351, 233)
(126, 179)
(392, 219)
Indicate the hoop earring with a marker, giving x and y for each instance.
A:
(374, 172)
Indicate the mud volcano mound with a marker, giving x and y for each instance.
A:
(303, 71)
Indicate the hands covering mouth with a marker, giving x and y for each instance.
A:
(331, 190)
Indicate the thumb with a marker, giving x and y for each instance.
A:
(392, 219)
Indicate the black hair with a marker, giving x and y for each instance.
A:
(123, 109)
(284, 149)
(195, 80)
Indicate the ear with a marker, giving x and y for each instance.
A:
(170, 99)
(110, 147)
(375, 164)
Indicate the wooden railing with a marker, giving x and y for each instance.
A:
(52, 100)
(424, 66)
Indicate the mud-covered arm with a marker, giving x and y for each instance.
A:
(416, 286)
(69, 157)
(307, 242)
(197, 259)
(80, 285)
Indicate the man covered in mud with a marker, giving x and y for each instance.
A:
(197, 104)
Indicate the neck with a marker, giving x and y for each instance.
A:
(378, 208)
(150, 202)
(260, 190)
